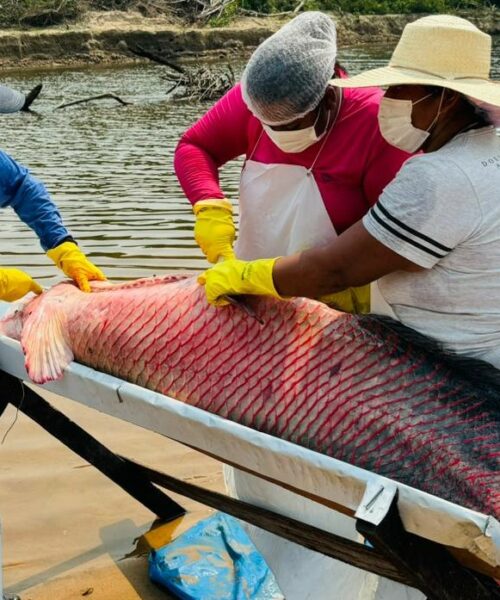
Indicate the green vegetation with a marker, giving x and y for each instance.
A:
(39, 13)
(350, 6)
(369, 6)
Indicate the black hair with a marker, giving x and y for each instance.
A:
(339, 71)
(480, 115)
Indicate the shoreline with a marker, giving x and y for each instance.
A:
(95, 39)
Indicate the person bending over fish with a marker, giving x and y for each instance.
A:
(34, 206)
(315, 159)
(432, 241)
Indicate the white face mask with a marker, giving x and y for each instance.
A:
(394, 119)
(296, 140)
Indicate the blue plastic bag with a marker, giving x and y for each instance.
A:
(214, 560)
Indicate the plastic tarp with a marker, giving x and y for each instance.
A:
(214, 559)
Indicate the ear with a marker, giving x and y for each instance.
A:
(451, 100)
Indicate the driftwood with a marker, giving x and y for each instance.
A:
(31, 97)
(202, 10)
(99, 97)
(213, 7)
(138, 50)
(196, 84)
(254, 13)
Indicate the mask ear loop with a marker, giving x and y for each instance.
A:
(329, 130)
(434, 121)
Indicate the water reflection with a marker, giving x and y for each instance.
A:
(109, 168)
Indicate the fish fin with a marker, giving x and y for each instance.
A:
(45, 342)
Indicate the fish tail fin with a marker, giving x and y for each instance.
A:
(45, 341)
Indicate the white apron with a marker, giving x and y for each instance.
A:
(282, 212)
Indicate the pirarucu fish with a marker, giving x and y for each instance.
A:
(363, 389)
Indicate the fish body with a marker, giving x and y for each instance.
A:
(361, 389)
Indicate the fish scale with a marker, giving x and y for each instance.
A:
(361, 389)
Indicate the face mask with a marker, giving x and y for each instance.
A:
(296, 140)
(394, 119)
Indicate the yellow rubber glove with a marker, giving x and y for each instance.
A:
(14, 284)
(214, 229)
(233, 277)
(353, 300)
(75, 265)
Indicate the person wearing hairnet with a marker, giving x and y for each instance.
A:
(315, 161)
(34, 206)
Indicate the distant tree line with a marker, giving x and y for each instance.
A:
(368, 6)
(39, 13)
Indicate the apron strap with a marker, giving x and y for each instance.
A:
(255, 146)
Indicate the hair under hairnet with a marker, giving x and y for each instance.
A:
(492, 112)
(287, 75)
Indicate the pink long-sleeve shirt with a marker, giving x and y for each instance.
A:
(354, 166)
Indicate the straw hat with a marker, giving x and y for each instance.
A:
(439, 50)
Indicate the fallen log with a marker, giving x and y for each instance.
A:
(91, 98)
(200, 84)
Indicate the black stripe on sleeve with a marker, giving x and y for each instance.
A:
(429, 240)
(404, 237)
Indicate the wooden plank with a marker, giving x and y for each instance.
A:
(83, 444)
(436, 573)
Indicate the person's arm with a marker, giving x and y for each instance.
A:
(355, 258)
(422, 215)
(34, 206)
(32, 203)
(218, 137)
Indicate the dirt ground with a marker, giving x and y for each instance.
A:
(97, 37)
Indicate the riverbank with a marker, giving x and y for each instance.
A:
(96, 37)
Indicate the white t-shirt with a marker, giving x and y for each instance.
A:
(442, 212)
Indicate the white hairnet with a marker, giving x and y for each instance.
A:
(287, 75)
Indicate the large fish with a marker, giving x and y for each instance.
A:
(362, 389)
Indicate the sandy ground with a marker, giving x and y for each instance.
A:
(68, 532)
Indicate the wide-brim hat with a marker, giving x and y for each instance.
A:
(439, 50)
(10, 100)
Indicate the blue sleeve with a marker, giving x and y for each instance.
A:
(31, 201)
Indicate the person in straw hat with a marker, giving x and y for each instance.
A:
(432, 241)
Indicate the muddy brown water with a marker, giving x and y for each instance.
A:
(109, 168)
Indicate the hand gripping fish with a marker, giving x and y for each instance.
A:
(363, 389)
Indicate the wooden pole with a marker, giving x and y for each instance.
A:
(79, 441)
(435, 572)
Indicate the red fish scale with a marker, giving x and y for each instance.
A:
(309, 375)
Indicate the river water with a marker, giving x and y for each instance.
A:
(110, 167)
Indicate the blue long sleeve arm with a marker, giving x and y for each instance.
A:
(32, 203)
